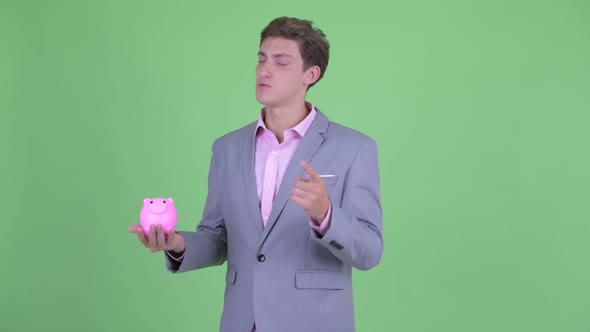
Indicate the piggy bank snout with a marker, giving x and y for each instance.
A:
(158, 206)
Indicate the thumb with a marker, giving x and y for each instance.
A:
(170, 231)
(133, 228)
(171, 235)
(175, 241)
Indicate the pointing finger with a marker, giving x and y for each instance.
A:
(313, 175)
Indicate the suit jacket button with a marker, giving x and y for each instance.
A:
(261, 258)
(336, 245)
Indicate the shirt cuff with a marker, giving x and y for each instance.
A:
(178, 259)
(325, 226)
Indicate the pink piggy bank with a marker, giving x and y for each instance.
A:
(158, 211)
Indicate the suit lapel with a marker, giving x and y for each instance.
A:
(249, 177)
(305, 151)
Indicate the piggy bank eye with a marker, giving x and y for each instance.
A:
(151, 202)
(164, 202)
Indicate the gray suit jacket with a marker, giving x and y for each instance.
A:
(284, 276)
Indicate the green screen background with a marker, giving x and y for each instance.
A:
(479, 108)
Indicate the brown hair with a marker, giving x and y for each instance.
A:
(313, 45)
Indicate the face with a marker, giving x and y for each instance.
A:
(280, 78)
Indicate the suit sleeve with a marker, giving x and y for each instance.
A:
(355, 233)
(208, 245)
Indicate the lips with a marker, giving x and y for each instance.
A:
(263, 85)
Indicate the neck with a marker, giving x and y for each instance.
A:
(279, 119)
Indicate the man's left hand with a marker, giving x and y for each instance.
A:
(310, 194)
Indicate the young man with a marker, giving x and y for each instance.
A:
(293, 202)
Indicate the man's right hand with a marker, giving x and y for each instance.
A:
(157, 240)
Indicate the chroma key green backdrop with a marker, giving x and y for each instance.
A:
(479, 108)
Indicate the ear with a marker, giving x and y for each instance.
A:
(311, 75)
(146, 201)
(170, 200)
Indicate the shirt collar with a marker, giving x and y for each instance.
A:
(299, 128)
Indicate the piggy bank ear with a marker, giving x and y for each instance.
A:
(146, 201)
(170, 200)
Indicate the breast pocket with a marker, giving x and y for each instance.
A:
(329, 179)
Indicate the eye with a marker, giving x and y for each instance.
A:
(164, 202)
(151, 202)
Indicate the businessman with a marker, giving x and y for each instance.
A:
(293, 201)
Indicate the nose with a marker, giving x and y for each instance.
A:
(263, 70)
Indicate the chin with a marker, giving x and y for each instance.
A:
(265, 101)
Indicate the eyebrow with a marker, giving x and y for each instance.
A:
(278, 55)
